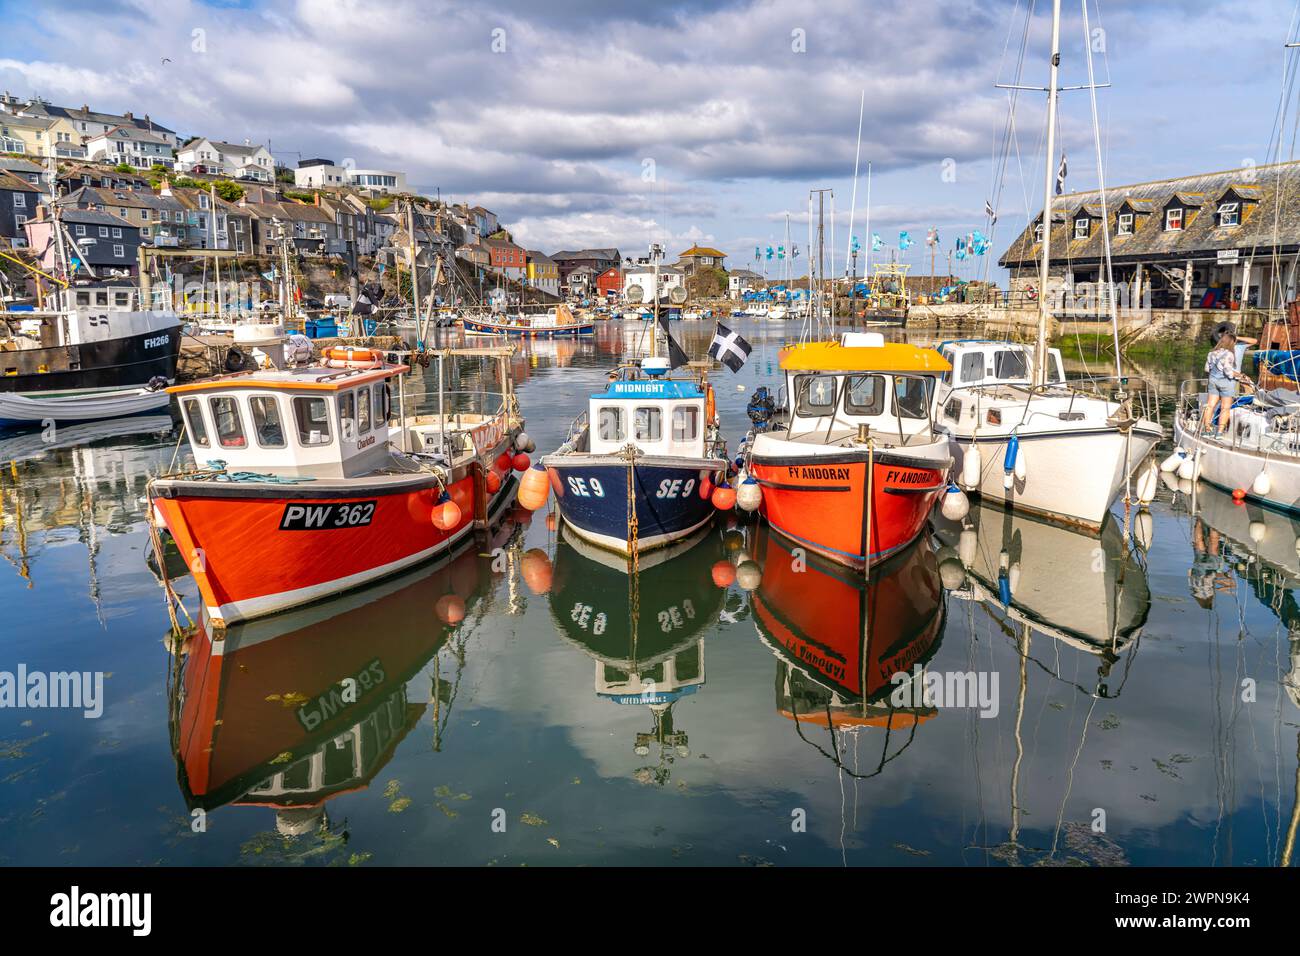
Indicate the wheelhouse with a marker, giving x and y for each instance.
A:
(986, 362)
(835, 388)
(310, 422)
(659, 416)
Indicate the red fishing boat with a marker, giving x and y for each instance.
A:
(303, 489)
(853, 466)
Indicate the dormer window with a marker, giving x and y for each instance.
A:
(1125, 225)
(1082, 227)
(1174, 219)
(1229, 214)
(1038, 232)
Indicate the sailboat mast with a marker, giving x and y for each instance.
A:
(655, 253)
(1040, 347)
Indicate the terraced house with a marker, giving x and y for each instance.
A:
(1222, 240)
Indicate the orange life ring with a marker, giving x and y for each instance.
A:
(349, 357)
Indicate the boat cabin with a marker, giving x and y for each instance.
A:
(313, 421)
(989, 362)
(644, 408)
(833, 388)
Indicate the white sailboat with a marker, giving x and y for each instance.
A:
(1020, 433)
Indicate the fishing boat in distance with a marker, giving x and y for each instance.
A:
(853, 465)
(559, 322)
(302, 489)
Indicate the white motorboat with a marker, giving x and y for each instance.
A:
(19, 411)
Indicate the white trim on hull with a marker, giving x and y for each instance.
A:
(619, 545)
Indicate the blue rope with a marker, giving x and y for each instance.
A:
(220, 474)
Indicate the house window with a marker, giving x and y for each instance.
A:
(103, 232)
(117, 233)
(1038, 233)
(20, 200)
(266, 421)
(1125, 224)
(1229, 214)
(119, 252)
(1173, 219)
(144, 215)
(19, 220)
(225, 416)
(1081, 228)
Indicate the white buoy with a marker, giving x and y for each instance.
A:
(1173, 461)
(1258, 531)
(1020, 469)
(971, 466)
(1187, 468)
(968, 546)
(749, 575)
(749, 494)
(1297, 545)
(1147, 484)
(952, 573)
(1144, 528)
(1186, 486)
(1013, 578)
(956, 505)
(1008, 479)
(1262, 485)
(1170, 480)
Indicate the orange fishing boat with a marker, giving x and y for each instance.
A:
(853, 466)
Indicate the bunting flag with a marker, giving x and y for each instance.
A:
(769, 252)
(979, 243)
(794, 252)
(758, 254)
(780, 252)
(1060, 175)
(988, 211)
(855, 246)
(932, 237)
(876, 242)
(904, 241)
(961, 248)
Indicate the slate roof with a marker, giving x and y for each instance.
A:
(1269, 211)
(16, 184)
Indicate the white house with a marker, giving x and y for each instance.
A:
(740, 281)
(130, 145)
(226, 159)
(324, 174)
(642, 275)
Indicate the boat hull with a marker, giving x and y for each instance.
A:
(670, 497)
(478, 327)
(1071, 476)
(256, 548)
(820, 500)
(1237, 468)
(18, 411)
(131, 360)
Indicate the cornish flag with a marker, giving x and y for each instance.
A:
(729, 348)
(1060, 176)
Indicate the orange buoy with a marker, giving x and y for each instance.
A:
(724, 497)
(503, 461)
(536, 568)
(493, 482)
(534, 488)
(521, 462)
(446, 515)
(723, 574)
(706, 488)
(556, 482)
(450, 609)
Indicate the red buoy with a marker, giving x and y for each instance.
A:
(1238, 494)
(493, 482)
(450, 609)
(521, 462)
(723, 574)
(503, 461)
(446, 515)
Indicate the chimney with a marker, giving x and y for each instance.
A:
(127, 115)
(85, 108)
(318, 198)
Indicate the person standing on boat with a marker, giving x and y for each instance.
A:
(1222, 368)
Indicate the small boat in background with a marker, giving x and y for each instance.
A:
(25, 411)
(557, 323)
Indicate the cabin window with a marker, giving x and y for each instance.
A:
(866, 395)
(194, 421)
(348, 415)
(312, 416)
(122, 299)
(953, 409)
(686, 423)
(1173, 219)
(266, 421)
(1008, 363)
(381, 405)
(230, 428)
(649, 423)
(609, 423)
(911, 397)
(363, 410)
(1081, 228)
(1125, 227)
(972, 368)
(1229, 214)
(816, 394)
(101, 298)
(83, 298)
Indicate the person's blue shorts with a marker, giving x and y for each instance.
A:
(1223, 388)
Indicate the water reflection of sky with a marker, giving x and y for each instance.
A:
(512, 709)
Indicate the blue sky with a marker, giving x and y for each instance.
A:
(610, 123)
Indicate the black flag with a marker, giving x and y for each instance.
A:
(729, 348)
(1060, 176)
(677, 356)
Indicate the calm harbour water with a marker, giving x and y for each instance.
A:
(1123, 703)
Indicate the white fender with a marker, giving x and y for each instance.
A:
(1262, 485)
(1147, 484)
(971, 467)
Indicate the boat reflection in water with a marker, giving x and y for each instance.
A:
(295, 709)
(840, 641)
(1088, 591)
(644, 631)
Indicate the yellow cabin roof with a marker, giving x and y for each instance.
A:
(834, 357)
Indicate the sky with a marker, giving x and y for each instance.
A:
(584, 123)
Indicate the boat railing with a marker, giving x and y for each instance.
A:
(1142, 395)
(1279, 435)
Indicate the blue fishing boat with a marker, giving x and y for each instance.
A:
(638, 469)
